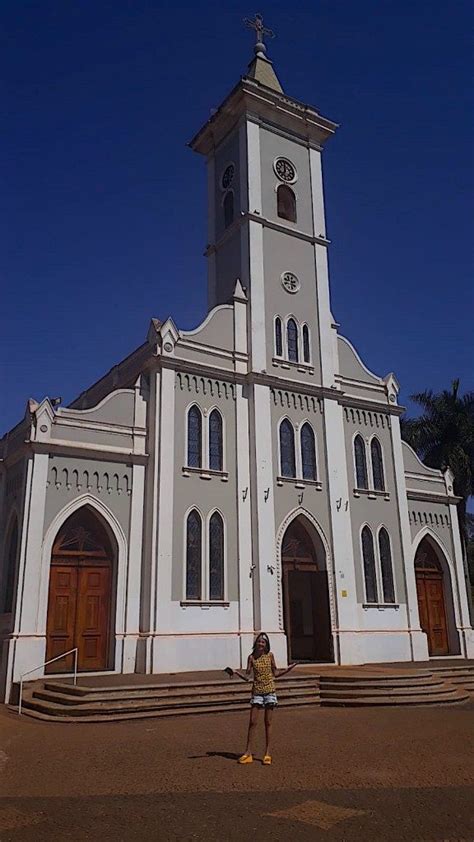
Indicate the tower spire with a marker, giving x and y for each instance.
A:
(261, 68)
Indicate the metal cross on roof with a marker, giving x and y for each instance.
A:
(260, 30)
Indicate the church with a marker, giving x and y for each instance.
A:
(245, 475)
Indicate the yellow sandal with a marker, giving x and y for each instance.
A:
(267, 760)
(246, 758)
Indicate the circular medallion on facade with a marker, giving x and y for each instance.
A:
(168, 347)
(285, 170)
(290, 282)
(228, 176)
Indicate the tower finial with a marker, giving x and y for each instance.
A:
(260, 30)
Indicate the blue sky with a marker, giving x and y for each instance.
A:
(105, 207)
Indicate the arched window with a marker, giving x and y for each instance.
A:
(193, 555)
(228, 209)
(377, 465)
(360, 462)
(286, 203)
(11, 561)
(194, 437)
(278, 338)
(216, 557)
(370, 575)
(386, 566)
(287, 449)
(215, 441)
(308, 452)
(306, 357)
(292, 340)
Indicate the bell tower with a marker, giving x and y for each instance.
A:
(266, 221)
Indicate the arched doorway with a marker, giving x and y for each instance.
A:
(80, 594)
(306, 594)
(431, 591)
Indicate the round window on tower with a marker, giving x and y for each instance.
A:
(228, 176)
(290, 282)
(285, 170)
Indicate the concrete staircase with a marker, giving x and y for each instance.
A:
(60, 701)
(460, 676)
(418, 687)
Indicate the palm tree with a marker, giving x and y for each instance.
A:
(444, 436)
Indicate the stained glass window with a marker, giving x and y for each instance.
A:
(194, 437)
(306, 357)
(308, 452)
(377, 465)
(228, 209)
(11, 561)
(370, 575)
(292, 340)
(386, 566)
(360, 462)
(216, 557)
(278, 338)
(286, 203)
(287, 449)
(215, 441)
(193, 555)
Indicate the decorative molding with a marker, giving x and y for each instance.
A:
(296, 400)
(366, 417)
(434, 519)
(76, 480)
(205, 385)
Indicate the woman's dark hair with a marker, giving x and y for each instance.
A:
(267, 642)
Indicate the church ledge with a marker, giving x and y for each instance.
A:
(246, 216)
(412, 463)
(254, 97)
(358, 365)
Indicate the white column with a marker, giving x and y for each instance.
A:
(255, 233)
(30, 621)
(347, 646)
(418, 639)
(244, 525)
(134, 571)
(466, 632)
(164, 550)
(265, 582)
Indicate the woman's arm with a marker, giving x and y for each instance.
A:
(278, 673)
(248, 670)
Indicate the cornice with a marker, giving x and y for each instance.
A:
(64, 448)
(432, 497)
(246, 216)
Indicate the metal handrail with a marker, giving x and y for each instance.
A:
(57, 658)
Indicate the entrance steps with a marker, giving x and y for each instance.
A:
(460, 676)
(55, 700)
(99, 701)
(412, 688)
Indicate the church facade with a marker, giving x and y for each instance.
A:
(249, 474)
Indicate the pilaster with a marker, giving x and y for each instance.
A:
(466, 632)
(135, 553)
(418, 639)
(346, 638)
(164, 547)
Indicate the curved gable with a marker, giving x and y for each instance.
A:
(351, 365)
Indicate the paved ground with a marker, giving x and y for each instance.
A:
(371, 775)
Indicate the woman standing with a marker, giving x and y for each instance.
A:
(262, 664)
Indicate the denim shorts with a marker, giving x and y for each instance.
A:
(265, 701)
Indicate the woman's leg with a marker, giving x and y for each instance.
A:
(268, 727)
(252, 725)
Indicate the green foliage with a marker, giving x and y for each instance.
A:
(443, 436)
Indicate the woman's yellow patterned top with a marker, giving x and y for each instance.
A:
(262, 675)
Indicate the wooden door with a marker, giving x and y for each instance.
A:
(80, 595)
(61, 616)
(92, 622)
(432, 610)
